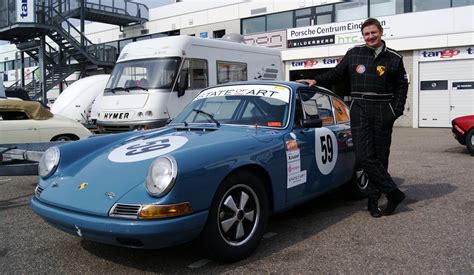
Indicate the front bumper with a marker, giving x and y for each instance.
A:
(458, 135)
(148, 234)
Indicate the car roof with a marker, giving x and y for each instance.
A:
(33, 109)
(293, 85)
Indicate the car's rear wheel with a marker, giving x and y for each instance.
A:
(357, 187)
(470, 141)
(237, 218)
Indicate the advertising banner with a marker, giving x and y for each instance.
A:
(276, 40)
(447, 54)
(314, 63)
(25, 11)
(333, 33)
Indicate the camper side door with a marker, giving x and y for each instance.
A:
(192, 78)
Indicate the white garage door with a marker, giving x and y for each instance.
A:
(446, 92)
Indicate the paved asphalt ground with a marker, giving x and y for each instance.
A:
(431, 233)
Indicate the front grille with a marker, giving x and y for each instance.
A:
(38, 190)
(116, 128)
(128, 211)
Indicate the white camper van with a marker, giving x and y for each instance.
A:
(155, 79)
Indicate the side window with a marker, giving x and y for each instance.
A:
(340, 110)
(325, 110)
(317, 104)
(197, 73)
(13, 115)
(231, 71)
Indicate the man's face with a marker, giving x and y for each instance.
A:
(372, 36)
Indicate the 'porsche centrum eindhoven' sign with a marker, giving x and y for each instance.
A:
(334, 33)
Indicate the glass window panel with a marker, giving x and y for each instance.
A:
(279, 21)
(231, 71)
(199, 74)
(386, 7)
(321, 9)
(123, 43)
(351, 10)
(253, 25)
(303, 12)
(143, 38)
(156, 73)
(340, 110)
(423, 5)
(324, 109)
(302, 22)
(323, 19)
(10, 65)
(459, 3)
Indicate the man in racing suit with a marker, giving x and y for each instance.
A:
(378, 89)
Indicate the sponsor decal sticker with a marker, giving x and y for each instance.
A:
(146, 148)
(296, 179)
(360, 69)
(294, 167)
(291, 145)
(277, 92)
(292, 155)
(380, 70)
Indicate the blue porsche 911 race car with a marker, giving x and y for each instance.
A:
(235, 155)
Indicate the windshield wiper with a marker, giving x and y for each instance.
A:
(208, 115)
(113, 90)
(137, 88)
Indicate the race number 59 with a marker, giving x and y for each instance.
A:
(325, 150)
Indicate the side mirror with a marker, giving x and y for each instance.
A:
(183, 82)
(314, 122)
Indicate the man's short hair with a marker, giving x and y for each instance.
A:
(372, 21)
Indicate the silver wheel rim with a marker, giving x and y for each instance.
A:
(238, 215)
(362, 179)
(472, 140)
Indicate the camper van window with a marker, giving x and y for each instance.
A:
(141, 75)
(231, 71)
(197, 73)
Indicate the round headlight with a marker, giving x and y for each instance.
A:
(49, 162)
(149, 113)
(140, 114)
(161, 176)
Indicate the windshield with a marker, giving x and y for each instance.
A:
(144, 74)
(261, 105)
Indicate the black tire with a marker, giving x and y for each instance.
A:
(233, 230)
(63, 138)
(470, 141)
(357, 187)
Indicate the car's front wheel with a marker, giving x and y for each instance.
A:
(237, 218)
(64, 138)
(470, 141)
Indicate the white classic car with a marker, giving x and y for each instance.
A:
(29, 121)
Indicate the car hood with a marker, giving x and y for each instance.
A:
(110, 167)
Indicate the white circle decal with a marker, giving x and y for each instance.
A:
(146, 148)
(326, 150)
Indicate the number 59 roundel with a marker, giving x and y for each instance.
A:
(325, 150)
